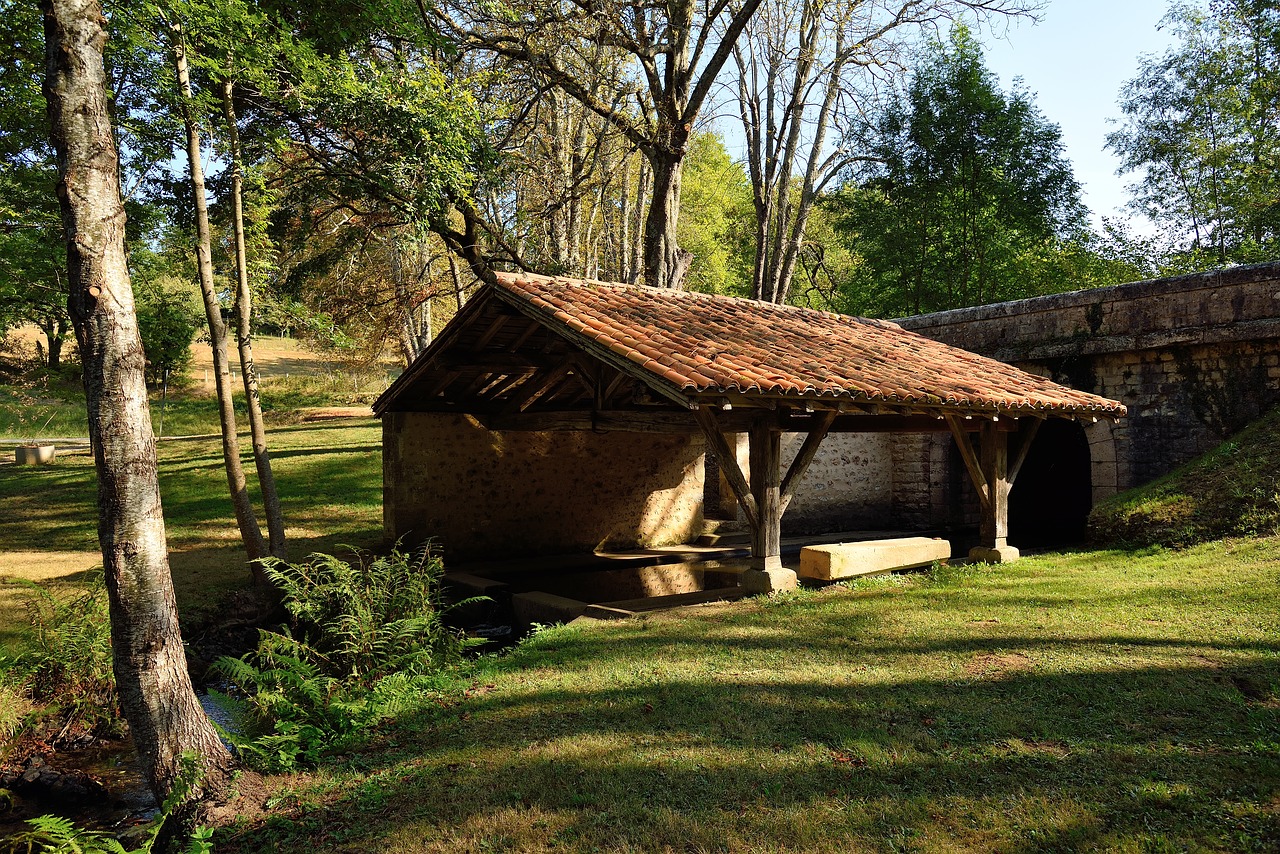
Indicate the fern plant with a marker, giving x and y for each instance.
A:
(367, 640)
(68, 664)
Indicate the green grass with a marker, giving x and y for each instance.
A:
(1112, 700)
(1234, 490)
(60, 413)
(330, 481)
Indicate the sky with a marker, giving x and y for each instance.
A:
(1075, 60)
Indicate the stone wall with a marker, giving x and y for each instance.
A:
(847, 487)
(1194, 358)
(489, 494)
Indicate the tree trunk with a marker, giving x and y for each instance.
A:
(244, 340)
(250, 533)
(164, 716)
(664, 262)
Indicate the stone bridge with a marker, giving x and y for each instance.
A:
(1195, 358)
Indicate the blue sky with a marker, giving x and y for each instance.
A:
(1075, 60)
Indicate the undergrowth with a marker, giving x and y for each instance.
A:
(66, 669)
(366, 640)
(1234, 490)
(52, 834)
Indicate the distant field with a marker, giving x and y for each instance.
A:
(330, 479)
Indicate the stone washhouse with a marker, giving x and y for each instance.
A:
(554, 416)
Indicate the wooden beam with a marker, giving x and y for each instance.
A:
(995, 468)
(970, 460)
(766, 489)
(495, 360)
(494, 327)
(533, 327)
(622, 420)
(537, 386)
(728, 460)
(1021, 456)
(805, 456)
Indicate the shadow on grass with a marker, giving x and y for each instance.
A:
(727, 753)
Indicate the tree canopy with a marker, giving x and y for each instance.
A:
(1201, 133)
(964, 188)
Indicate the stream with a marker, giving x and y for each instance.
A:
(100, 787)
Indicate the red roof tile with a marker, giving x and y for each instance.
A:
(699, 343)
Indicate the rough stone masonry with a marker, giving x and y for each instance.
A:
(1195, 358)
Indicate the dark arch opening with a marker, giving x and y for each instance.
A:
(1051, 499)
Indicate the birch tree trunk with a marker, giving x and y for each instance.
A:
(164, 716)
(244, 341)
(250, 533)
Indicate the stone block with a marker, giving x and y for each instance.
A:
(756, 581)
(1000, 554)
(846, 560)
(545, 608)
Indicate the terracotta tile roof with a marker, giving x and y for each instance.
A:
(698, 343)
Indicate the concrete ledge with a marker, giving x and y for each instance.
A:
(545, 608)
(847, 560)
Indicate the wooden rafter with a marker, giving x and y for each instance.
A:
(1021, 456)
(805, 456)
(728, 461)
(970, 461)
(523, 337)
(537, 386)
(493, 329)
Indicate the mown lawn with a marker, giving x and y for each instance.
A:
(330, 481)
(1113, 700)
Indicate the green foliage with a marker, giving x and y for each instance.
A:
(67, 665)
(964, 191)
(51, 834)
(716, 218)
(1200, 133)
(1234, 490)
(367, 641)
(167, 322)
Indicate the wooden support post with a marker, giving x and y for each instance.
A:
(767, 573)
(994, 546)
(728, 463)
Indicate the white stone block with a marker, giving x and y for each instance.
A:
(846, 560)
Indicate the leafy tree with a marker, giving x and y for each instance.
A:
(803, 70)
(717, 220)
(1202, 134)
(32, 255)
(966, 187)
(167, 323)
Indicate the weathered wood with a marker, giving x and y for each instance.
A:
(624, 420)
(970, 460)
(599, 351)
(995, 469)
(1023, 449)
(805, 456)
(494, 360)
(537, 386)
(728, 461)
(524, 336)
(493, 329)
(766, 489)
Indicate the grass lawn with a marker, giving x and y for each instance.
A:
(1112, 700)
(330, 480)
